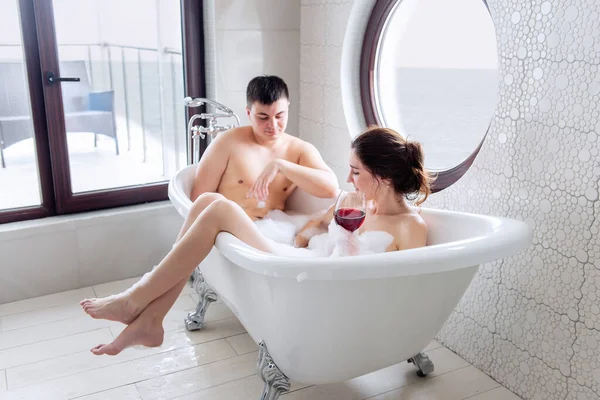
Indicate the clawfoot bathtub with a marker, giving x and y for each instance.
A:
(320, 320)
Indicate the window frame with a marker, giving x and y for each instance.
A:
(40, 53)
(368, 64)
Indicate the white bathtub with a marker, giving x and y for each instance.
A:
(327, 320)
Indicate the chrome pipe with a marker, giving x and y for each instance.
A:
(194, 131)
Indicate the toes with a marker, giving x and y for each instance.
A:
(108, 349)
(96, 350)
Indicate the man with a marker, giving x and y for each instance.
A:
(259, 166)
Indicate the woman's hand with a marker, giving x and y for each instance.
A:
(346, 243)
(260, 189)
(301, 241)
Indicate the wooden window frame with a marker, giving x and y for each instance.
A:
(40, 52)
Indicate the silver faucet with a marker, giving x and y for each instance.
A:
(212, 129)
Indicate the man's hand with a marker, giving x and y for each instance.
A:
(260, 189)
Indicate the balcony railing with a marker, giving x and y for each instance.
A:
(106, 60)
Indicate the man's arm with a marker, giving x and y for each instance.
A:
(311, 174)
(211, 167)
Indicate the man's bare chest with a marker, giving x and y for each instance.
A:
(245, 170)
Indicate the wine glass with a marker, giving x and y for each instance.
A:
(350, 210)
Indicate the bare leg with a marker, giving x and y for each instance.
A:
(95, 307)
(194, 246)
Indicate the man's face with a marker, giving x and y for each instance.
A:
(269, 121)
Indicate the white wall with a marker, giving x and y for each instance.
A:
(51, 255)
(532, 321)
(254, 38)
(322, 119)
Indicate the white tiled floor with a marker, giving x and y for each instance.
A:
(44, 354)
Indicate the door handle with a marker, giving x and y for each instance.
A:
(54, 79)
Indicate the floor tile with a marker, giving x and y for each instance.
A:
(242, 389)
(29, 335)
(50, 349)
(40, 317)
(128, 392)
(217, 311)
(500, 393)
(381, 381)
(455, 385)
(432, 346)
(225, 327)
(52, 300)
(242, 344)
(124, 373)
(195, 379)
(45, 342)
(85, 361)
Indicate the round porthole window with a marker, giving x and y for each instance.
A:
(429, 70)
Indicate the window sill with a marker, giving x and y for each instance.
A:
(61, 223)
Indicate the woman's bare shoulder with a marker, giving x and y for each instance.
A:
(409, 230)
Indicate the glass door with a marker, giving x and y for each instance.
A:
(114, 85)
(19, 178)
(123, 114)
(25, 172)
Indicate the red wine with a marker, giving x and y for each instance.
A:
(350, 218)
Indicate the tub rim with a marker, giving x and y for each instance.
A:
(505, 238)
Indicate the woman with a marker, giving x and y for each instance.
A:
(389, 171)
(384, 166)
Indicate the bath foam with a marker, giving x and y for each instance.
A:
(280, 229)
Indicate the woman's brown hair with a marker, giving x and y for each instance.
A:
(390, 157)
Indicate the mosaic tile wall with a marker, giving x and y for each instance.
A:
(531, 321)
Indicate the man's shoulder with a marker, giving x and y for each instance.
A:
(236, 134)
(300, 144)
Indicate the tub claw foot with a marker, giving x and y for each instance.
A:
(195, 320)
(423, 363)
(275, 381)
(194, 276)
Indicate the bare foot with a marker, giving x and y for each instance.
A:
(118, 308)
(143, 331)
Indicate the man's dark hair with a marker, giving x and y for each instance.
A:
(266, 89)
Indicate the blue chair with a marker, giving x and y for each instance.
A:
(104, 101)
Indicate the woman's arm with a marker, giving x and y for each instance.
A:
(313, 227)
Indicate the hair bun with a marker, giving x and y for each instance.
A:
(415, 154)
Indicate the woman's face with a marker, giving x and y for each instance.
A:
(360, 178)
